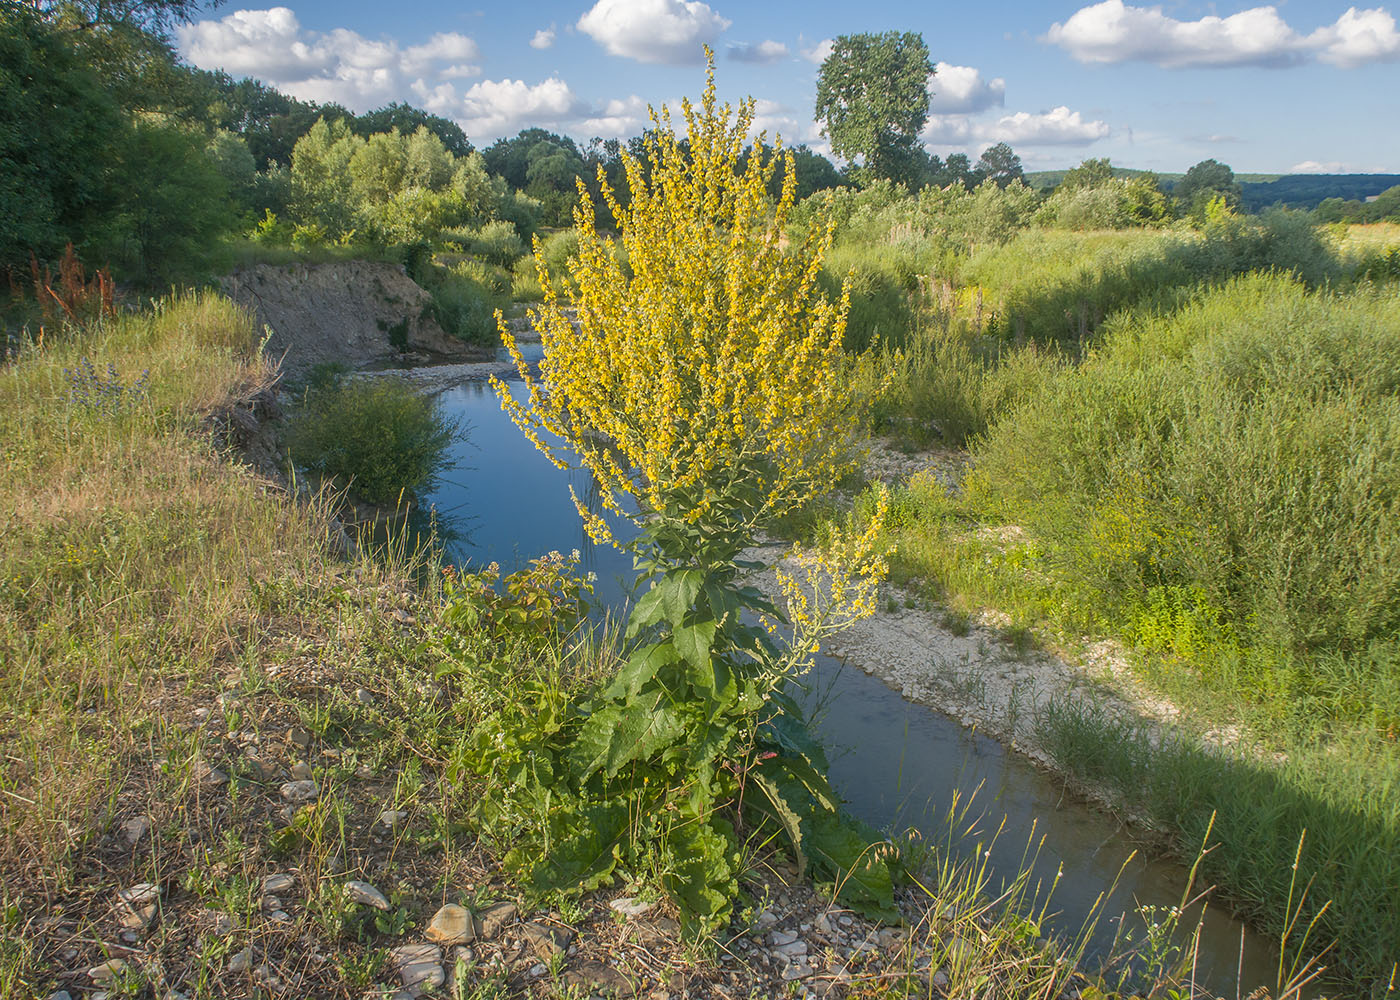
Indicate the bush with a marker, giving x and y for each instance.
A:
(378, 437)
(1203, 466)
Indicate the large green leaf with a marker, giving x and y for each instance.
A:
(641, 667)
(581, 852)
(694, 643)
(616, 735)
(778, 805)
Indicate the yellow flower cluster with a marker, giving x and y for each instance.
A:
(839, 583)
(704, 357)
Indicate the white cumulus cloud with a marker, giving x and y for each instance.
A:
(1114, 32)
(961, 90)
(493, 108)
(618, 118)
(1325, 167)
(765, 53)
(818, 53)
(339, 65)
(1358, 37)
(1056, 127)
(544, 38)
(653, 31)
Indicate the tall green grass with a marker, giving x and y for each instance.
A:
(1217, 485)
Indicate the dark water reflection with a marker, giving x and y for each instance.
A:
(897, 764)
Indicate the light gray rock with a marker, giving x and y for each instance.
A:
(140, 894)
(301, 771)
(364, 697)
(629, 906)
(780, 938)
(420, 966)
(304, 790)
(797, 970)
(135, 829)
(279, 884)
(392, 817)
(793, 949)
(241, 962)
(363, 892)
(107, 971)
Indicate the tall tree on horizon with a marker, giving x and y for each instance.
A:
(872, 101)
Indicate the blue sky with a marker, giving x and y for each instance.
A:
(1299, 86)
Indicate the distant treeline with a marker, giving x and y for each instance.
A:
(1309, 191)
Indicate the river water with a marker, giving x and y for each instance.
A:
(898, 764)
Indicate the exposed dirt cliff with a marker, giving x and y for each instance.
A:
(356, 313)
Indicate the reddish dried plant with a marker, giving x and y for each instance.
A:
(73, 297)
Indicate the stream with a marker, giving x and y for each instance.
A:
(897, 763)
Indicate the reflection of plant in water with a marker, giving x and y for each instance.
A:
(704, 379)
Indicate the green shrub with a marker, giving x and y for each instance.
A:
(466, 296)
(1246, 447)
(377, 436)
(496, 242)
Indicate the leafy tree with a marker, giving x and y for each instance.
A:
(408, 120)
(1089, 174)
(872, 100)
(52, 176)
(957, 169)
(1204, 182)
(171, 203)
(1000, 163)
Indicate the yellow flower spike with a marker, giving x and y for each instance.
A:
(715, 353)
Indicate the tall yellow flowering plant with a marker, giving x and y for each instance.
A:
(701, 377)
(703, 356)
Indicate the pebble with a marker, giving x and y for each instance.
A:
(793, 949)
(60, 995)
(766, 919)
(547, 942)
(940, 979)
(363, 892)
(491, 921)
(136, 828)
(212, 776)
(301, 771)
(241, 962)
(451, 925)
(391, 817)
(280, 916)
(780, 938)
(299, 737)
(364, 697)
(300, 791)
(797, 970)
(140, 917)
(419, 965)
(278, 883)
(107, 971)
(140, 894)
(537, 970)
(629, 906)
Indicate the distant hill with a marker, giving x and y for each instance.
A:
(1262, 190)
(1308, 190)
